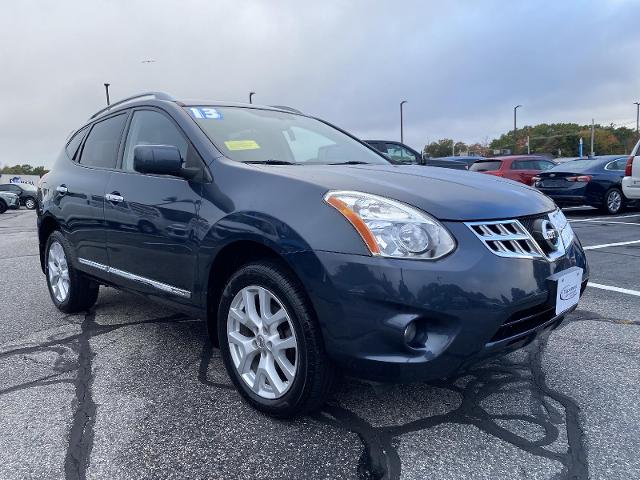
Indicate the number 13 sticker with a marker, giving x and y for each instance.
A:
(205, 112)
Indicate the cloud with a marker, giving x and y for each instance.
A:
(461, 65)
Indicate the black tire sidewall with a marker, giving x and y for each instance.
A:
(3, 206)
(257, 274)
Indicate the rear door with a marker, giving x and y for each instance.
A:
(80, 193)
(151, 219)
(524, 170)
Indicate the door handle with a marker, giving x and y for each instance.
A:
(114, 197)
(62, 189)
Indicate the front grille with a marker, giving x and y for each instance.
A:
(506, 238)
(523, 321)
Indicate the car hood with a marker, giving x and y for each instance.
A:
(444, 193)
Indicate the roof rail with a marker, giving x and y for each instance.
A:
(156, 95)
(289, 109)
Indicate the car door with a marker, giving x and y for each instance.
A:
(79, 190)
(151, 219)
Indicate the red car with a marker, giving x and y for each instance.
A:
(521, 168)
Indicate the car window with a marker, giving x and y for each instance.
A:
(149, 127)
(378, 146)
(400, 154)
(74, 143)
(4, 188)
(617, 165)
(486, 166)
(101, 147)
(545, 165)
(256, 135)
(521, 165)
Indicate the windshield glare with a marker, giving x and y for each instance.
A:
(254, 135)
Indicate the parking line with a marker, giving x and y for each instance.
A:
(617, 244)
(614, 289)
(604, 218)
(609, 221)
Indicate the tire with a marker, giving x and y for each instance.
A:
(30, 203)
(610, 205)
(3, 206)
(274, 393)
(81, 293)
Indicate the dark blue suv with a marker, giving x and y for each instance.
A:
(305, 250)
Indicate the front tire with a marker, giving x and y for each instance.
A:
(270, 342)
(614, 201)
(70, 290)
(3, 206)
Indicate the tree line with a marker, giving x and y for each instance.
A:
(556, 139)
(24, 169)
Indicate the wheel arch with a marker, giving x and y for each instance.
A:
(47, 225)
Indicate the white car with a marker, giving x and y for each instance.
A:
(631, 180)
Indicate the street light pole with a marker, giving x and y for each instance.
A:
(251, 94)
(106, 90)
(515, 122)
(637, 104)
(401, 125)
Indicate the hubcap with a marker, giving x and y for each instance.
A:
(614, 201)
(262, 342)
(58, 272)
(30, 203)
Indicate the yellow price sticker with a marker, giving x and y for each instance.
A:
(242, 144)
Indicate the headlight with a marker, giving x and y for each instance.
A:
(390, 228)
(561, 224)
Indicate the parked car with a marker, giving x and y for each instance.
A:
(8, 200)
(399, 153)
(521, 168)
(631, 180)
(455, 162)
(305, 250)
(25, 191)
(595, 181)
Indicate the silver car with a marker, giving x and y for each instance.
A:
(8, 200)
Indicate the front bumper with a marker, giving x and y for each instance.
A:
(461, 301)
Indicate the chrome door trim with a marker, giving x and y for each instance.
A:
(137, 278)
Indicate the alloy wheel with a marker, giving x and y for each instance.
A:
(30, 203)
(614, 201)
(58, 272)
(262, 342)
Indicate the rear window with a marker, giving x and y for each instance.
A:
(101, 147)
(486, 166)
(74, 143)
(578, 165)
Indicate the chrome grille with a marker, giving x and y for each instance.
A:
(506, 238)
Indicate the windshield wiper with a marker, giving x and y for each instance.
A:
(271, 162)
(351, 162)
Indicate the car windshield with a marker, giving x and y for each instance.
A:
(255, 135)
(485, 166)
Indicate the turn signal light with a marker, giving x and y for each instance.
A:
(627, 170)
(579, 178)
(535, 180)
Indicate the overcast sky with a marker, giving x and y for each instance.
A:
(462, 65)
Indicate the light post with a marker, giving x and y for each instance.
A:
(251, 94)
(637, 104)
(106, 90)
(401, 124)
(515, 123)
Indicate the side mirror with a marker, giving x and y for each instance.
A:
(157, 159)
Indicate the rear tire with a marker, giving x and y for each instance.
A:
(614, 201)
(30, 203)
(70, 290)
(262, 307)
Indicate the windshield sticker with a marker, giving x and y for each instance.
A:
(205, 113)
(242, 144)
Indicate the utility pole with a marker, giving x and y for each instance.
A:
(401, 120)
(593, 133)
(515, 124)
(528, 146)
(637, 104)
(251, 94)
(453, 148)
(106, 89)
(580, 148)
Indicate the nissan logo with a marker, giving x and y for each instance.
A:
(547, 233)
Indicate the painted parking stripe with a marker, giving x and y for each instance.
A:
(604, 218)
(617, 244)
(614, 289)
(609, 221)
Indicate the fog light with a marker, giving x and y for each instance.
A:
(410, 333)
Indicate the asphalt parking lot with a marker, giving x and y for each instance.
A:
(131, 390)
